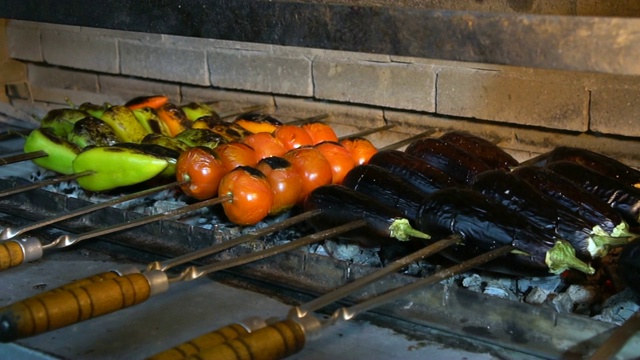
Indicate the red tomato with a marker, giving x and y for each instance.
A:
(320, 132)
(285, 182)
(293, 136)
(264, 145)
(313, 168)
(361, 149)
(203, 168)
(236, 154)
(339, 157)
(251, 195)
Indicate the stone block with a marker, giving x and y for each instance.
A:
(168, 63)
(23, 42)
(385, 84)
(513, 95)
(260, 71)
(80, 51)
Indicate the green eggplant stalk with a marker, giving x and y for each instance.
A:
(60, 152)
(61, 121)
(124, 123)
(148, 118)
(117, 166)
(92, 131)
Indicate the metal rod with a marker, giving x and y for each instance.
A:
(9, 232)
(368, 131)
(350, 312)
(22, 157)
(408, 140)
(167, 264)
(309, 119)
(55, 180)
(193, 272)
(616, 341)
(351, 287)
(242, 110)
(67, 240)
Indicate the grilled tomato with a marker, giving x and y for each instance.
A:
(264, 144)
(361, 149)
(320, 132)
(285, 182)
(236, 154)
(203, 169)
(339, 157)
(251, 195)
(313, 168)
(293, 136)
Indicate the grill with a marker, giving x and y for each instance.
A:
(444, 315)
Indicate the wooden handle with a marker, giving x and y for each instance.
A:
(11, 255)
(62, 307)
(275, 341)
(202, 343)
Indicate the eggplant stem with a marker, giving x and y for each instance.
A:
(611, 241)
(622, 230)
(562, 256)
(402, 230)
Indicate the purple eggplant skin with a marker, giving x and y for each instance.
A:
(623, 198)
(385, 187)
(629, 265)
(413, 170)
(340, 205)
(574, 198)
(592, 160)
(448, 158)
(486, 225)
(521, 197)
(490, 153)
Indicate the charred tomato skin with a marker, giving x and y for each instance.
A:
(251, 194)
(236, 154)
(339, 158)
(204, 170)
(360, 148)
(285, 182)
(314, 169)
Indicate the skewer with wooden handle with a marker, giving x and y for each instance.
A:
(53, 310)
(287, 337)
(233, 331)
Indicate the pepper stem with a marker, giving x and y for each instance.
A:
(402, 230)
(562, 256)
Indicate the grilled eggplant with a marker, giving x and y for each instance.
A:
(566, 193)
(413, 170)
(521, 197)
(629, 265)
(448, 158)
(486, 225)
(592, 160)
(385, 187)
(485, 150)
(340, 205)
(623, 198)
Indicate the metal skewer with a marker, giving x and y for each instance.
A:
(280, 339)
(62, 307)
(10, 232)
(617, 340)
(214, 338)
(52, 181)
(22, 157)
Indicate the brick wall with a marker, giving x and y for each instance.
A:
(526, 110)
